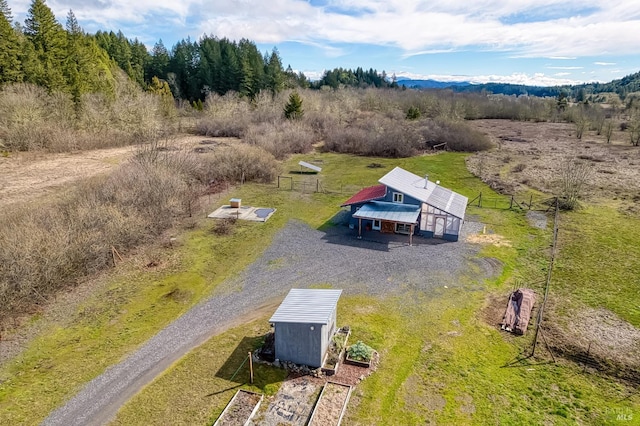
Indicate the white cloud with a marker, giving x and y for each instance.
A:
(553, 29)
(565, 68)
(605, 64)
(557, 29)
(562, 74)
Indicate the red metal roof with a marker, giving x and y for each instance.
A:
(367, 194)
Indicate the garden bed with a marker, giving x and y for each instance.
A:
(359, 354)
(240, 409)
(331, 405)
(336, 351)
(363, 364)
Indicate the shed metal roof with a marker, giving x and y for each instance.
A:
(393, 212)
(310, 166)
(435, 195)
(367, 194)
(307, 306)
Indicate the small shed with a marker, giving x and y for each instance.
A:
(303, 325)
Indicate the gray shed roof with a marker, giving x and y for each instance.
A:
(394, 212)
(435, 195)
(307, 306)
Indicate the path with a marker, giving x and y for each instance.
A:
(299, 257)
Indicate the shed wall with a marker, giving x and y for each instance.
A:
(297, 343)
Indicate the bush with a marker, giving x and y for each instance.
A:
(281, 139)
(458, 136)
(240, 163)
(375, 135)
(360, 352)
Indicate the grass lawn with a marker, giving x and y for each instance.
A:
(440, 361)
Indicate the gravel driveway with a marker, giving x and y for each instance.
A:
(299, 257)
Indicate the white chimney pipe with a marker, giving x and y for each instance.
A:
(426, 179)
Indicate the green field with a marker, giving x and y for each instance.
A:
(440, 361)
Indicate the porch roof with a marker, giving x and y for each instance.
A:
(391, 212)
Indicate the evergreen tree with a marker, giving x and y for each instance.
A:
(5, 10)
(87, 67)
(10, 65)
(159, 63)
(273, 72)
(161, 88)
(184, 66)
(49, 42)
(293, 108)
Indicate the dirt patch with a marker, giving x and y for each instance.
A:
(466, 404)
(352, 374)
(26, 176)
(537, 219)
(493, 310)
(544, 147)
(493, 239)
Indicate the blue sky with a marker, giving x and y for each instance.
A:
(544, 42)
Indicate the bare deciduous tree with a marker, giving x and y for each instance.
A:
(574, 177)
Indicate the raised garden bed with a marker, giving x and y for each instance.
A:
(331, 405)
(360, 355)
(335, 351)
(240, 409)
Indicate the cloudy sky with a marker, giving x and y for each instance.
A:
(542, 42)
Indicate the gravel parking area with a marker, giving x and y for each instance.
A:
(299, 257)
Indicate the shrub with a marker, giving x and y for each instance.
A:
(375, 135)
(413, 113)
(281, 139)
(458, 136)
(360, 352)
(240, 163)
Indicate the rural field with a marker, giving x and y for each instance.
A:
(431, 311)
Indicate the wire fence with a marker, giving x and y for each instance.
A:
(510, 202)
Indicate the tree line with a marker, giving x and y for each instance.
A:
(66, 59)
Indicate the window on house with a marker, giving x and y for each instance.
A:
(398, 197)
(403, 228)
(376, 225)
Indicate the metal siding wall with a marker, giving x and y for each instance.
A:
(297, 343)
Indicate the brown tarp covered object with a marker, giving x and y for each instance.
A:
(516, 318)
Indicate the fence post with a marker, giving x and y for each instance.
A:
(530, 201)
(480, 200)
(511, 203)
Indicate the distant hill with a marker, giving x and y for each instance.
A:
(430, 84)
(622, 87)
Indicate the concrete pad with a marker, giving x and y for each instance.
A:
(254, 214)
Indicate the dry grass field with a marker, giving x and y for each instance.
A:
(532, 155)
(26, 176)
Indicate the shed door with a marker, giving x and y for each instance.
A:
(439, 226)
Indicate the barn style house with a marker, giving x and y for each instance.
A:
(303, 325)
(405, 203)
